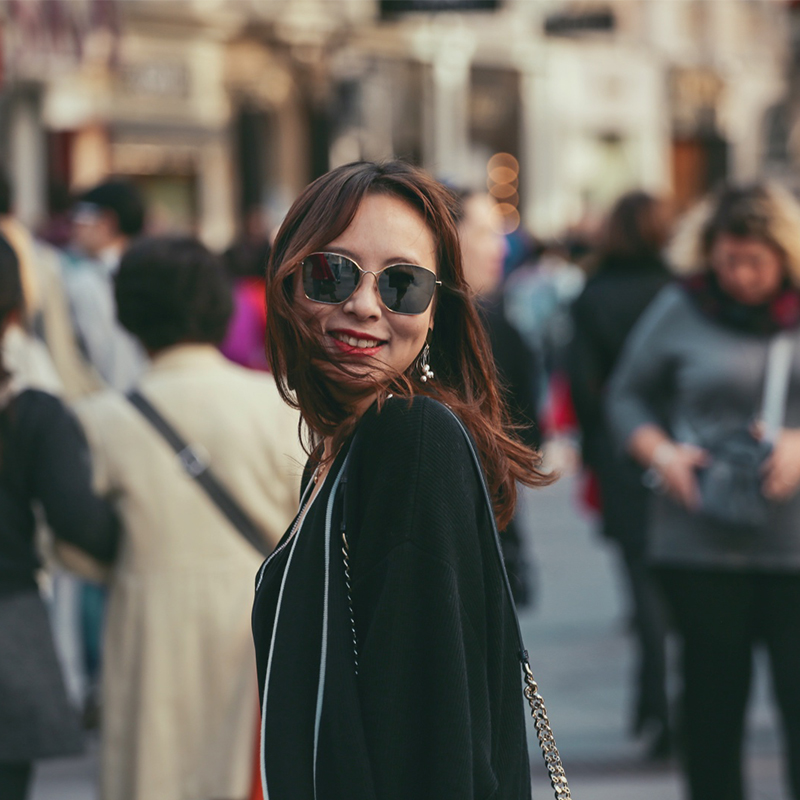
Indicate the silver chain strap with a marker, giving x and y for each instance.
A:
(544, 733)
(346, 555)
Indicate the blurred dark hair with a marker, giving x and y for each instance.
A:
(6, 194)
(460, 196)
(123, 199)
(244, 259)
(465, 374)
(11, 298)
(171, 290)
(636, 228)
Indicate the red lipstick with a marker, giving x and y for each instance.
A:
(351, 349)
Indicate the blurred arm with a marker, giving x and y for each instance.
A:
(63, 484)
(639, 390)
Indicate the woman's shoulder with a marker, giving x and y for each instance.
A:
(417, 443)
(108, 409)
(409, 420)
(670, 310)
(37, 408)
(412, 458)
(671, 298)
(37, 416)
(37, 401)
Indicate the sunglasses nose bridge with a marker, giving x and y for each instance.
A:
(364, 296)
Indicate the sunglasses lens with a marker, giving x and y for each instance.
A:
(329, 277)
(406, 288)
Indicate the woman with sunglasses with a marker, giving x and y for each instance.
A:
(386, 641)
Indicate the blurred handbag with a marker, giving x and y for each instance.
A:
(730, 486)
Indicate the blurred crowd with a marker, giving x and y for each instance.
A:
(652, 354)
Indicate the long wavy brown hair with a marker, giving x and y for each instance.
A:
(466, 378)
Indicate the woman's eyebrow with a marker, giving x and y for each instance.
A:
(387, 262)
(341, 251)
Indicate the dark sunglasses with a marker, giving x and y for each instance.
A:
(332, 278)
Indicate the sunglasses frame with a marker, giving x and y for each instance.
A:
(376, 273)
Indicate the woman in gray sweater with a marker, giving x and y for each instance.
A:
(692, 376)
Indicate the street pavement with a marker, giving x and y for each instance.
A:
(582, 657)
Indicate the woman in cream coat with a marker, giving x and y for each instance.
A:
(179, 685)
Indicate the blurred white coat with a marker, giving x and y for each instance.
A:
(179, 696)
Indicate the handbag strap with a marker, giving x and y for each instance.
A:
(544, 732)
(776, 384)
(197, 468)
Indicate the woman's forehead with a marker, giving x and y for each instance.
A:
(389, 229)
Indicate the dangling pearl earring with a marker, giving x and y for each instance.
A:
(425, 371)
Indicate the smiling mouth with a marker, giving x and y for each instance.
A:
(356, 345)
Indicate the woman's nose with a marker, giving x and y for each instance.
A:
(365, 301)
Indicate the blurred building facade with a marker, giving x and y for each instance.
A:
(216, 107)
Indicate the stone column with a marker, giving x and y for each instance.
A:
(217, 224)
(377, 101)
(655, 136)
(445, 118)
(91, 156)
(539, 160)
(28, 159)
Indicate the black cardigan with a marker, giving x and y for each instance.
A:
(436, 710)
(603, 315)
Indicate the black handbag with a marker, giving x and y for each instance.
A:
(730, 486)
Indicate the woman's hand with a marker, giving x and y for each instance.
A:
(782, 468)
(678, 472)
(675, 464)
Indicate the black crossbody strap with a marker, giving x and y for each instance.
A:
(197, 468)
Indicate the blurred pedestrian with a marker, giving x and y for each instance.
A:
(538, 296)
(707, 398)
(385, 632)
(483, 248)
(106, 219)
(23, 351)
(44, 463)
(246, 263)
(179, 693)
(41, 349)
(42, 342)
(629, 272)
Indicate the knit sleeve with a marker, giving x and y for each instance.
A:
(643, 377)
(420, 603)
(62, 482)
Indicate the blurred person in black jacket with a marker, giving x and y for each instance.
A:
(483, 249)
(44, 463)
(629, 273)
